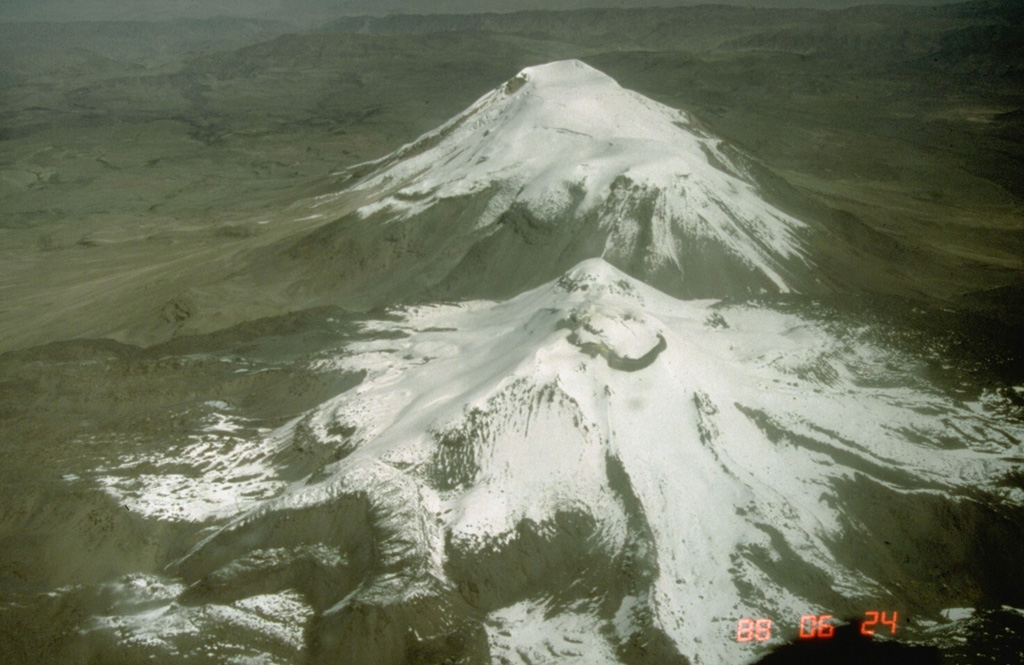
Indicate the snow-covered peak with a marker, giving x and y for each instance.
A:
(573, 96)
(597, 276)
(563, 74)
(704, 461)
(567, 164)
(547, 108)
(589, 465)
(564, 112)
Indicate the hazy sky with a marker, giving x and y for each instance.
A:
(63, 10)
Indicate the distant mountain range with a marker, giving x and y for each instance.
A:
(305, 11)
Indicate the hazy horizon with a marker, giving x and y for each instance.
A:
(299, 11)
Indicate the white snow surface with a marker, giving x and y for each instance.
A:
(484, 415)
(542, 417)
(521, 634)
(265, 628)
(214, 474)
(565, 139)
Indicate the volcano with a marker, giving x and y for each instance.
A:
(576, 433)
(558, 165)
(593, 472)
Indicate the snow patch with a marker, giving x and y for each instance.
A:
(525, 634)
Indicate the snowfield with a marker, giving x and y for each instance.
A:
(715, 473)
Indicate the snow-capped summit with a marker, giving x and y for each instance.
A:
(557, 165)
(586, 467)
(565, 73)
(533, 118)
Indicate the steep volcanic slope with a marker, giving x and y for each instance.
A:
(558, 165)
(591, 472)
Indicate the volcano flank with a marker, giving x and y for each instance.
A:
(558, 165)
